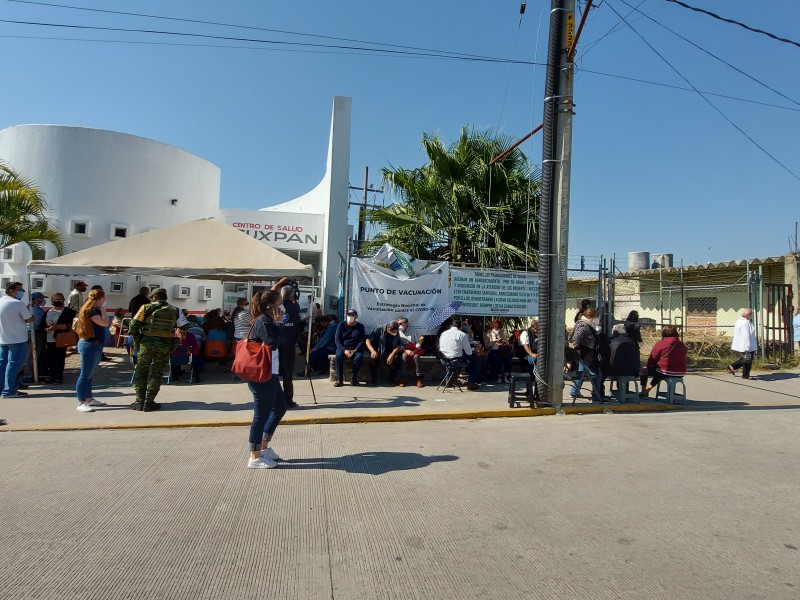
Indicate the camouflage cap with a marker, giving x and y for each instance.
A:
(159, 293)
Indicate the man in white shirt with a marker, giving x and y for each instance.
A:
(455, 345)
(76, 297)
(14, 319)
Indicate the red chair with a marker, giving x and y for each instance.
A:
(216, 350)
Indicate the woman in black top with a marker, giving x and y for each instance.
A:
(91, 329)
(57, 320)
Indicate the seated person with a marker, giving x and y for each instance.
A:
(116, 322)
(188, 345)
(318, 359)
(623, 353)
(385, 349)
(349, 338)
(529, 340)
(668, 358)
(412, 350)
(455, 346)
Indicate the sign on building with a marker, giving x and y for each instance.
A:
(495, 292)
(288, 231)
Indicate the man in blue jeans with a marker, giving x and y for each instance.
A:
(14, 319)
(350, 336)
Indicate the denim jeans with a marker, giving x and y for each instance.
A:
(90, 351)
(12, 358)
(269, 406)
(340, 358)
(595, 377)
(500, 363)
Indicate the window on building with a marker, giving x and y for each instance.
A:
(8, 253)
(701, 306)
(80, 228)
(117, 287)
(119, 232)
(5, 282)
(37, 283)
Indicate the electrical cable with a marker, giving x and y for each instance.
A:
(712, 55)
(618, 26)
(510, 68)
(711, 104)
(237, 26)
(731, 21)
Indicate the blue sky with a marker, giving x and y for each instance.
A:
(653, 168)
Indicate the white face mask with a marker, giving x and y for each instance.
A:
(596, 321)
(351, 320)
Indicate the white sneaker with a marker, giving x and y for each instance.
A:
(97, 403)
(270, 454)
(261, 463)
(85, 408)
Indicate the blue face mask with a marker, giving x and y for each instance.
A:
(20, 294)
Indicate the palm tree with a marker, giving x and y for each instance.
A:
(22, 214)
(459, 208)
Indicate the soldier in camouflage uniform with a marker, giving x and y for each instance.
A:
(153, 331)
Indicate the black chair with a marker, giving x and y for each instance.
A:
(452, 366)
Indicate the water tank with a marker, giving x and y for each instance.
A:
(638, 261)
(662, 260)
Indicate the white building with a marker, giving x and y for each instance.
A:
(104, 185)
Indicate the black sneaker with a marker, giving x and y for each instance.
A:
(292, 404)
(151, 406)
(338, 383)
(355, 382)
(136, 406)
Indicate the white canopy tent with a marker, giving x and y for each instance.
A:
(202, 249)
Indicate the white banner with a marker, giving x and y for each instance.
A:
(495, 292)
(379, 296)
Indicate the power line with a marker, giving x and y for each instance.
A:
(321, 49)
(724, 116)
(237, 26)
(712, 55)
(731, 21)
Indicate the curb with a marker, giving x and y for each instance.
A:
(398, 418)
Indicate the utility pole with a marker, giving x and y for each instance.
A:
(362, 213)
(554, 209)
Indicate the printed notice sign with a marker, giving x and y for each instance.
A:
(495, 292)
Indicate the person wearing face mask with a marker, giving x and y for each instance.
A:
(91, 329)
(153, 330)
(57, 320)
(14, 319)
(586, 342)
(411, 352)
(350, 337)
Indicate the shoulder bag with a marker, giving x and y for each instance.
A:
(66, 339)
(252, 360)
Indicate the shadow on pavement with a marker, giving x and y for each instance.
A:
(356, 402)
(754, 384)
(222, 406)
(369, 463)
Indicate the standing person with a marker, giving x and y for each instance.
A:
(529, 340)
(138, 301)
(269, 403)
(76, 300)
(350, 336)
(796, 326)
(455, 345)
(587, 343)
(385, 348)
(668, 358)
(57, 320)
(744, 341)
(38, 312)
(14, 319)
(153, 331)
(288, 350)
(501, 353)
(91, 329)
(241, 319)
(632, 327)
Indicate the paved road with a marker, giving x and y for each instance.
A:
(668, 505)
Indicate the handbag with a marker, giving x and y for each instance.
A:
(66, 339)
(252, 361)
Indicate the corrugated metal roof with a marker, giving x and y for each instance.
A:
(754, 262)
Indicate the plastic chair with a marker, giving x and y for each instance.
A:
(672, 382)
(134, 355)
(216, 350)
(515, 397)
(623, 393)
(122, 332)
(177, 358)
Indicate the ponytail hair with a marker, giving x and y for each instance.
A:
(84, 327)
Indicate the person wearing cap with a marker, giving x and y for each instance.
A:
(350, 336)
(76, 297)
(385, 349)
(153, 331)
(14, 319)
(38, 312)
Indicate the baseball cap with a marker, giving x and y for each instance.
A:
(36, 295)
(159, 293)
(82, 283)
(352, 311)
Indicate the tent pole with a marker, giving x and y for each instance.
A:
(308, 349)
(34, 353)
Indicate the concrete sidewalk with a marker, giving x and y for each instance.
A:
(220, 401)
